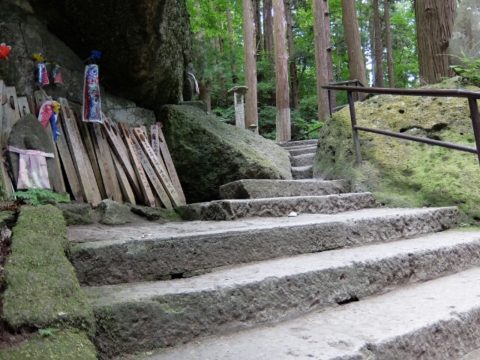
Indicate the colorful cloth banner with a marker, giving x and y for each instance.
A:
(92, 103)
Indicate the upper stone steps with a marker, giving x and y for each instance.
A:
(433, 320)
(302, 160)
(105, 255)
(143, 316)
(300, 143)
(258, 189)
(301, 150)
(302, 172)
(231, 209)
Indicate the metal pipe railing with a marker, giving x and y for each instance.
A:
(472, 97)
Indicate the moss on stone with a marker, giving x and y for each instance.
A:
(58, 345)
(208, 153)
(42, 288)
(404, 173)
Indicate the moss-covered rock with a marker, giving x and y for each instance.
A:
(208, 153)
(41, 286)
(404, 173)
(53, 345)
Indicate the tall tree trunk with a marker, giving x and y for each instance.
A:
(322, 46)
(258, 26)
(268, 27)
(251, 106)
(333, 102)
(231, 39)
(205, 94)
(434, 29)
(294, 89)
(281, 71)
(356, 62)
(389, 43)
(378, 45)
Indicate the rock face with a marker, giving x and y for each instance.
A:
(208, 153)
(145, 43)
(404, 173)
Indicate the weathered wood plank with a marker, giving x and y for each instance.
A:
(148, 196)
(167, 159)
(80, 157)
(11, 114)
(23, 106)
(56, 180)
(125, 186)
(158, 167)
(105, 162)
(152, 176)
(154, 139)
(5, 177)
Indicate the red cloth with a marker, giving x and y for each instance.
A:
(4, 51)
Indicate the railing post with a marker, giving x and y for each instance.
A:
(356, 137)
(472, 102)
(330, 107)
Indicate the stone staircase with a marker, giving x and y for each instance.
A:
(303, 270)
(302, 155)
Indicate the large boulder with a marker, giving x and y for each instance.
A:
(404, 173)
(145, 43)
(208, 153)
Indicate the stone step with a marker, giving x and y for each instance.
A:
(231, 209)
(143, 316)
(302, 160)
(302, 172)
(433, 320)
(303, 150)
(291, 144)
(258, 189)
(107, 255)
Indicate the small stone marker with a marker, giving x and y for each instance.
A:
(239, 100)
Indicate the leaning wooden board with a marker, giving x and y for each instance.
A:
(80, 157)
(57, 177)
(125, 186)
(5, 178)
(158, 167)
(10, 112)
(24, 106)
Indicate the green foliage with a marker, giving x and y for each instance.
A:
(469, 70)
(36, 197)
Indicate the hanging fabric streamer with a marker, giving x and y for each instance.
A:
(5, 51)
(48, 114)
(41, 72)
(92, 109)
(57, 76)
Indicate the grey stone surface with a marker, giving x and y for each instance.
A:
(302, 172)
(77, 214)
(278, 207)
(177, 311)
(113, 213)
(155, 214)
(292, 144)
(303, 150)
(437, 320)
(146, 253)
(257, 189)
(303, 160)
(474, 355)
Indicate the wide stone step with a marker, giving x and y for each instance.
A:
(302, 172)
(143, 316)
(291, 144)
(277, 207)
(303, 150)
(302, 160)
(434, 320)
(107, 255)
(258, 189)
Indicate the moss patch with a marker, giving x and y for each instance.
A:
(42, 288)
(53, 345)
(403, 173)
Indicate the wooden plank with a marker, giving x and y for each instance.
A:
(144, 129)
(5, 177)
(148, 196)
(68, 165)
(152, 176)
(158, 167)
(125, 186)
(23, 106)
(80, 157)
(119, 149)
(56, 179)
(11, 114)
(167, 159)
(105, 162)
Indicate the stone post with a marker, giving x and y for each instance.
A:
(239, 101)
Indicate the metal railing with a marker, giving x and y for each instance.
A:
(472, 97)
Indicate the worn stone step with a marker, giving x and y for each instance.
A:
(303, 150)
(105, 255)
(302, 160)
(143, 316)
(436, 320)
(258, 189)
(302, 172)
(291, 144)
(231, 209)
